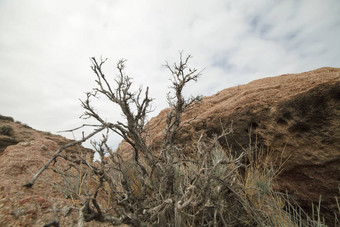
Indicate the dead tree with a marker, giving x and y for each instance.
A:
(163, 187)
(132, 130)
(181, 75)
(156, 175)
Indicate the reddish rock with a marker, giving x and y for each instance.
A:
(297, 113)
(25, 200)
(31, 149)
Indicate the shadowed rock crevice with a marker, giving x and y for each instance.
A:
(6, 141)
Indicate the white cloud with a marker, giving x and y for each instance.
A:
(45, 48)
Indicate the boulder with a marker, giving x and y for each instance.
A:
(296, 116)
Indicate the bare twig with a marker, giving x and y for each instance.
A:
(56, 154)
(181, 75)
(55, 222)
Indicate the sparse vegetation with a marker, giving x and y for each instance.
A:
(211, 186)
(23, 124)
(6, 130)
(6, 118)
(27, 126)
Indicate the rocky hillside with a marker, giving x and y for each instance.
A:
(23, 151)
(296, 116)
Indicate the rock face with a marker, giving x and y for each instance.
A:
(22, 154)
(296, 113)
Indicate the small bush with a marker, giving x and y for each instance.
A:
(6, 130)
(27, 126)
(6, 118)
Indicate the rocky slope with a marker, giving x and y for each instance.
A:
(296, 116)
(23, 151)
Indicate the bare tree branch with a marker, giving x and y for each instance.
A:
(133, 130)
(181, 75)
(56, 154)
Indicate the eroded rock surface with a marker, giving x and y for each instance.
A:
(25, 151)
(295, 113)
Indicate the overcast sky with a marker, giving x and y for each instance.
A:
(45, 47)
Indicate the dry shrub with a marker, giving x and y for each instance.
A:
(6, 130)
(212, 187)
(6, 118)
(208, 186)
